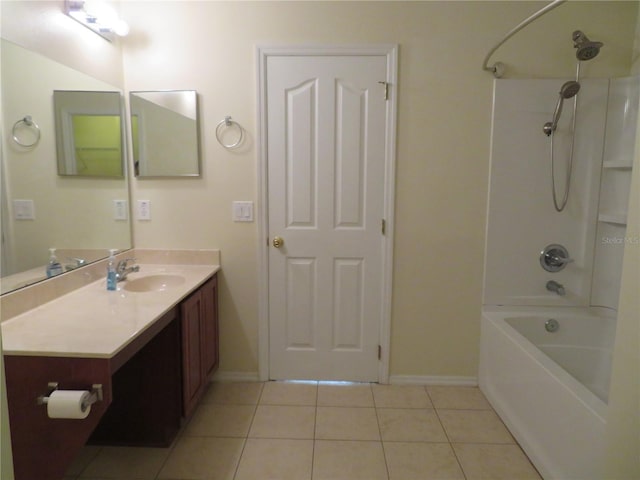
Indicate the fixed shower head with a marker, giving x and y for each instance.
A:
(585, 48)
(588, 50)
(568, 90)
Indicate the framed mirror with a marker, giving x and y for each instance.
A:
(89, 133)
(81, 216)
(164, 132)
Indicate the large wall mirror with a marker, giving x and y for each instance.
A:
(89, 133)
(164, 132)
(81, 216)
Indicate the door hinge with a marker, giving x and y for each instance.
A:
(383, 226)
(267, 241)
(379, 352)
(386, 89)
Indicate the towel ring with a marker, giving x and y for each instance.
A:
(227, 122)
(27, 121)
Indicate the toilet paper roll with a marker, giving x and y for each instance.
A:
(68, 404)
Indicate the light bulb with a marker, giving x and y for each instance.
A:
(105, 13)
(121, 28)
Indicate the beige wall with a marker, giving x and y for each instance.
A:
(443, 142)
(443, 150)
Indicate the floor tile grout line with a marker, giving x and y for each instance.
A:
(179, 436)
(468, 410)
(448, 438)
(93, 457)
(166, 458)
(426, 390)
(246, 437)
(384, 452)
(244, 445)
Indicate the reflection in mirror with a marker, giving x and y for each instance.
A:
(164, 131)
(89, 133)
(40, 209)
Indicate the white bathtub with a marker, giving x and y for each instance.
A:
(550, 389)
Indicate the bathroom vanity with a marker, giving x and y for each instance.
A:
(151, 345)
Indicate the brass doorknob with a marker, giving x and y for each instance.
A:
(278, 242)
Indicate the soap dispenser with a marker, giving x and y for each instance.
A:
(112, 280)
(53, 267)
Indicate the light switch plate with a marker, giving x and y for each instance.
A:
(24, 210)
(242, 211)
(120, 210)
(144, 210)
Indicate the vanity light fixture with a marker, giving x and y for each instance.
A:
(98, 16)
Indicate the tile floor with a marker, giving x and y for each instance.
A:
(318, 431)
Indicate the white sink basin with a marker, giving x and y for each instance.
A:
(154, 283)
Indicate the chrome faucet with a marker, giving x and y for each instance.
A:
(78, 262)
(123, 269)
(554, 286)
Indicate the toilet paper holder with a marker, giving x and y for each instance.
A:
(95, 394)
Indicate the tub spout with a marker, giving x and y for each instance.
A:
(554, 286)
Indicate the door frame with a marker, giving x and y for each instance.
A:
(263, 52)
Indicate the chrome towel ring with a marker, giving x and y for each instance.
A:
(27, 121)
(227, 122)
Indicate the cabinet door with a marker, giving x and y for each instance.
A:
(210, 353)
(192, 368)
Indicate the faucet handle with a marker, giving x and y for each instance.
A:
(554, 258)
(122, 264)
(557, 260)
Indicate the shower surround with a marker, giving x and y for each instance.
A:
(558, 420)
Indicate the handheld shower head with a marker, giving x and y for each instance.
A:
(585, 48)
(568, 90)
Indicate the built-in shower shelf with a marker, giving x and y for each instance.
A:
(615, 218)
(616, 164)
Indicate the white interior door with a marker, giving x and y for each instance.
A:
(326, 143)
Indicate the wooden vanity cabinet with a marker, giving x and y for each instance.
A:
(140, 405)
(148, 386)
(200, 354)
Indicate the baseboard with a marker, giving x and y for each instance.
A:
(432, 380)
(236, 377)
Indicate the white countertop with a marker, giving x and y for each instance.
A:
(94, 322)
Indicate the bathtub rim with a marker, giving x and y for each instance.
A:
(498, 315)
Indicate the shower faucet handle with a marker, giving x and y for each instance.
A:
(554, 258)
(557, 260)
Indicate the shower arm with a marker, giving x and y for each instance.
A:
(498, 68)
